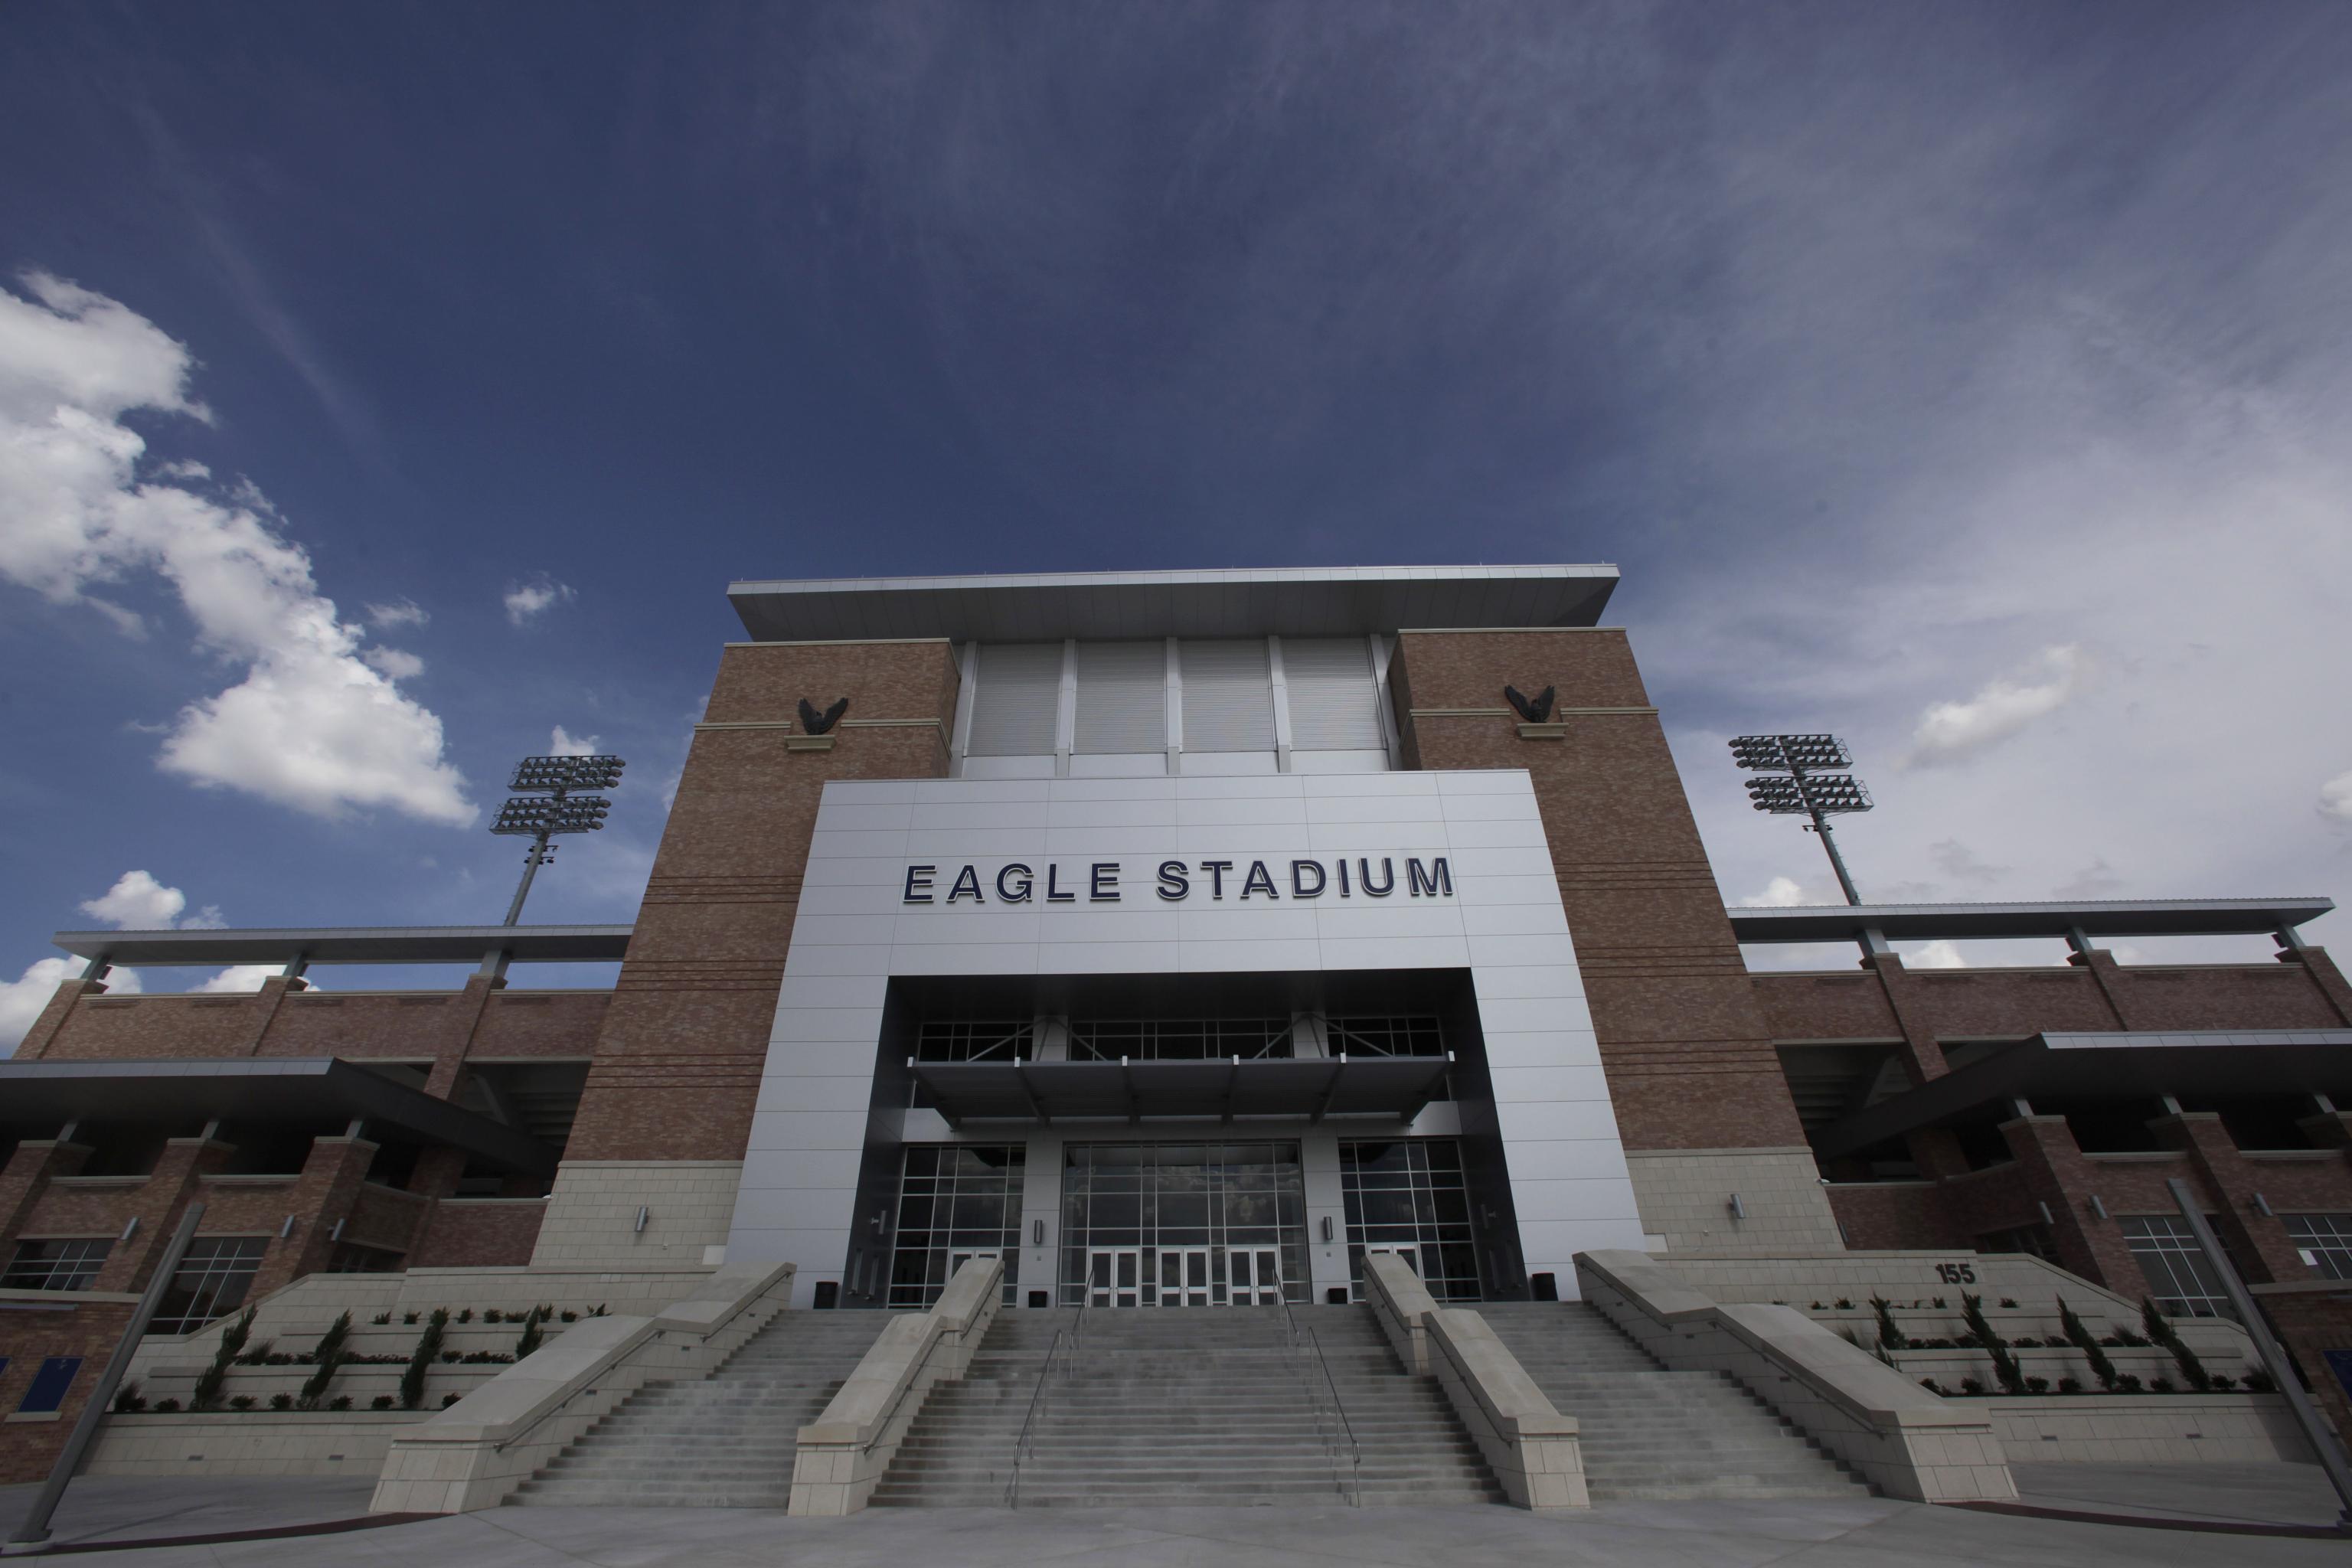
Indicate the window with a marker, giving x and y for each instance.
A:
(2179, 1274)
(213, 1280)
(1178, 1039)
(1382, 1037)
(47, 1390)
(956, 1201)
(2326, 1242)
(1183, 1224)
(974, 1040)
(1409, 1197)
(68, 1264)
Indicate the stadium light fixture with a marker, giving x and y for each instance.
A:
(1793, 779)
(545, 807)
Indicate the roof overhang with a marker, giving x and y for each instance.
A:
(1310, 1089)
(1930, 922)
(2106, 1065)
(294, 1088)
(1043, 606)
(352, 944)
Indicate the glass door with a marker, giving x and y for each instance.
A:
(1184, 1276)
(1113, 1276)
(957, 1259)
(1256, 1276)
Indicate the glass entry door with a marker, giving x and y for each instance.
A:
(1114, 1275)
(1184, 1276)
(957, 1259)
(1255, 1276)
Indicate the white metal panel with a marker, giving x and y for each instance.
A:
(1122, 697)
(1228, 695)
(1015, 700)
(1334, 701)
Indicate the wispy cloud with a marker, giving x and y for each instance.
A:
(526, 602)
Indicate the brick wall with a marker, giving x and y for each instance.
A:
(77, 1324)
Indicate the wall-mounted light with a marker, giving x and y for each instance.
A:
(881, 1217)
(336, 1234)
(1036, 1233)
(2097, 1208)
(130, 1227)
(644, 1213)
(287, 1229)
(2261, 1205)
(2047, 1217)
(1327, 1228)
(1739, 1209)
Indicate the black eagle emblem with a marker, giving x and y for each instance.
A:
(1535, 709)
(817, 723)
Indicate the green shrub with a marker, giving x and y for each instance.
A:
(245, 1402)
(167, 1407)
(1890, 1336)
(208, 1382)
(420, 1361)
(2160, 1330)
(447, 1400)
(2078, 1333)
(329, 1359)
(126, 1400)
(2004, 1364)
(281, 1402)
(532, 1336)
(381, 1402)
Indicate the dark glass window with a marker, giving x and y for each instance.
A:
(1387, 1036)
(2325, 1240)
(974, 1040)
(956, 1202)
(1408, 1196)
(64, 1264)
(213, 1280)
(48, 1389)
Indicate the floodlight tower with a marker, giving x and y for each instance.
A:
(1791, 781)
(546, 805)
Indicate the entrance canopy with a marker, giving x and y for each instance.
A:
(1308, 1088)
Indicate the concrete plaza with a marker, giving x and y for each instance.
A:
(1787, 1533)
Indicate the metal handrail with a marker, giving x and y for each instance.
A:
(1064, 1346)
(1354, 1450)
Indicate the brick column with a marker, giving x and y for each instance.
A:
(26, 1177)
(2323, 975)
(37, 1040)
(266, 1003)
(1923, 1054)
(2104, 971)
(2056, 1173)
(322, 1194)
(158, 1206)
(2259, 1245)
(449, 1057)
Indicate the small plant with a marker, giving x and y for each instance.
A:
(2128, 1383)
(381, 1319)
(2162, 1385)
(2070, 1386)
(451, 1358)
(494, 1316)
(167, 1407)
(2009, 1302)
(1890, 1336)
(329, 1359)
(382, 1402)
(245, 1402)
(465, 1314)
(281, 1402)
(2004, 1364)
(208, 1382)
(2024, 1342)
(1939, 1302)
(1816, 1307)
(2160, 1330)
(2037, 1386)
(126, 1400)
(2079, 1334)
(2222, 1386)
(339, 1402)
(1844, 1305)
(428, 1347)
(447, 1400)
(570, 1316)
(1930, 1384)
(533, 1336)
(2258, 1381)
(1972, 1387)
(408, 1317)
(597, 1310)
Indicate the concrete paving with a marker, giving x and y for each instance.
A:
(2251, 1493)
(1790, 1532)
(128, 1507)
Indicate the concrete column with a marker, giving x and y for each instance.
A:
(2058, 1175)
(322, 1196)
(2258, 1244)
(1923, 1055)
(1041, 1203)
(1319, 1156)
(157, 1208)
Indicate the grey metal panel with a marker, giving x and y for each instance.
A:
(2120, 917)
(1016, 700)
(352, 944)
(1122, 697)
(1334, 704)
(314, 1089)
(1228, 694)
(1289, 602)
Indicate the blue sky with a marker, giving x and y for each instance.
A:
(1969, 380)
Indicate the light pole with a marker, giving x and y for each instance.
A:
(545, 806)
(1791, 781)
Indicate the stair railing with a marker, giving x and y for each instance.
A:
(1340, 1435)
(1061, 1353)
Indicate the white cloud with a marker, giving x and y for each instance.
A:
(525, 601)
(1950, 731)
(1780, 893)
(21, 1000)
(398, 613)
(2336, 797)
(311, 725)
(235, 978)
(563, 743)
(137, 901)
(393, 663)
(206, 918)
(1934, 955)
(1960, 863)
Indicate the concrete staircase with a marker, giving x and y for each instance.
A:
(725, 1441)
(1649, 1433)
(1178, 1406)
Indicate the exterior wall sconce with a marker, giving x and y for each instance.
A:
(2261, 1205)
(1036, 1233)
(1327, 1228)
(336, 1234)
(644, 1213)
(881, 1217)
(2097, 1208)
(2047, 1217)
(130, 1227)
(287, 1229)
(1739, 1209)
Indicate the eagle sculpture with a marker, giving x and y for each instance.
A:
(1535, 709)
(817, 723)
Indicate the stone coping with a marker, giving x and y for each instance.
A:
(869, 1398)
